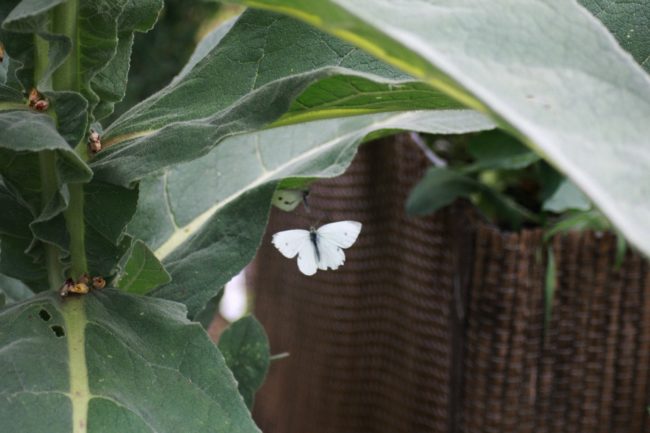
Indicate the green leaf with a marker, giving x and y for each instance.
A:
(566, 197)
(441, 186)
(71, 113)
(13, 290)
(206, 45)
(107, 211)
(578, 221)
(109, 82)
(203, 258)
(245, 348)
(103, 45)
(16, 263)
(211, 213)
(140, 270)
(15, 216)
(628, 22)
(589, 93)
(28, 138)
(206, 316)
(9, 96)
(36, 164)
(340, 96)
(550, 286)
(496, 150)
(248, 79)
(108, 207)
(25, 24)
(110, 360)
(4, 66)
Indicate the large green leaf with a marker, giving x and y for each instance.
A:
(210, 213)
(247, 79)
(547, 71)
(245, 348)
(110, 361)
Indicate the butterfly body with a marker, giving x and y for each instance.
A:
(313, 237)
(320, 248)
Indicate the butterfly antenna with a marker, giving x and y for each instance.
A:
(305, 200)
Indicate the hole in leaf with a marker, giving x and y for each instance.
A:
(43, 314)
(58, 330)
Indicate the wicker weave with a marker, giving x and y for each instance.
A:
(437, 324)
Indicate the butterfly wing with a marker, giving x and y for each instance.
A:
(290, 242)
(341, 233)
(331, 255)
(307, 262)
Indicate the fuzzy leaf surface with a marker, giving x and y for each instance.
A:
(247, 79)
(549, 72)
(111, 361)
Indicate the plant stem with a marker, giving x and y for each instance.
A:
(40, 65)
(49, 184)
(65, 23)
(48, 174)
(74, 219)
(67, 78)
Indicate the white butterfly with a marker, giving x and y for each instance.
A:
(320, 248)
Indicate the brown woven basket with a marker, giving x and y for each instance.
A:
(437, 324)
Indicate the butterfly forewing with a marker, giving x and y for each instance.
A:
(342, 233)
(290, 242)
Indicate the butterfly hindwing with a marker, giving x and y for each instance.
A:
(307, 262)
(290, 242)
(331, 255)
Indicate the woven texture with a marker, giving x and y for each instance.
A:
(437, 324)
